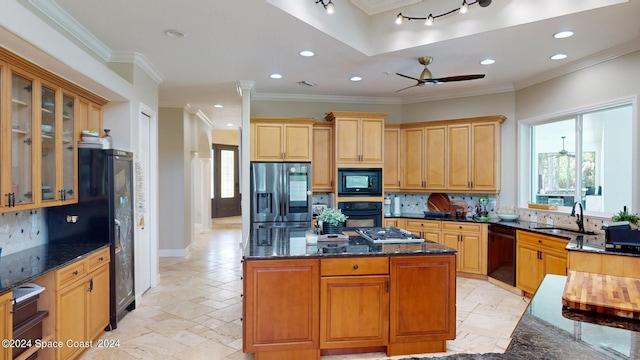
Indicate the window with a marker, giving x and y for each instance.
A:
(584, 158)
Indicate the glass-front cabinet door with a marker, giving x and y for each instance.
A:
(68, 168)
(49, 188)
(20, 152)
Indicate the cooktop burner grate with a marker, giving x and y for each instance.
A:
(389, 234)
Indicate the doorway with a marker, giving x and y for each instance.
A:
(225, 195)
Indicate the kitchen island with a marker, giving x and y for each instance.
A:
(352, 296)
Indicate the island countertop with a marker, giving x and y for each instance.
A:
(277, 243)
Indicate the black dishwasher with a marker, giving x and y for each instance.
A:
(501, 253)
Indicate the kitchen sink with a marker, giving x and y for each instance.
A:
(557, 230)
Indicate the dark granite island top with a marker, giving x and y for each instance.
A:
(26, 265)
(280, 243)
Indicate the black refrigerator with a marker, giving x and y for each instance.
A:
(105, 215)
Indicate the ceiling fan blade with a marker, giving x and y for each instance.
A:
(409, 77)
(456, 78)
(409, 87)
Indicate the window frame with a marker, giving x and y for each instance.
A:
(524, 155)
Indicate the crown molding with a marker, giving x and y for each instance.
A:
(327, 99)
(459, 94)
(140, 60)
(60, 17)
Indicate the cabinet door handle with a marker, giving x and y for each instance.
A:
(355, 267)
(91, 285)
(75, 272)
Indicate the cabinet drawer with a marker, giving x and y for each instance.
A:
(431, 225)
(540, 240)
(70, 273)
(458, 226)
(98, 259)
(354, 266)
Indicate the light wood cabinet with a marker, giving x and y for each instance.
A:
(604, 263)
(39, 125)
(427, 229)
(359, 137)
(281, 139)
(536, 256)
(322, 163)
(89, 117)
(400, 223)
(354, 302)
(281, 308)
(470, 239)
(82, 302)
(422, 304)
(474, 157)
(459, 155)
(412, 154)
(6, 324)
(391, 170)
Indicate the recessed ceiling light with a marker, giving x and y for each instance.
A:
(355, 78)
(558, 57)
(487, 62)
(306, 53)
(275, 76)
(174, 33)
(218, 106)
(230, 124)
(563, 34)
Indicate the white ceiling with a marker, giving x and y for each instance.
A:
(230, 41)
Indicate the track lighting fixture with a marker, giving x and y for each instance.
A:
(429, 20)
(328, 6)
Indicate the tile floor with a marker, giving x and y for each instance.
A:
(195, 311)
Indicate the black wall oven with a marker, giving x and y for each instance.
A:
(362, 213)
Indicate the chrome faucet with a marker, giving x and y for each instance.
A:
(580, 218)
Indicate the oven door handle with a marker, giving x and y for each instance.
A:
(362, 212)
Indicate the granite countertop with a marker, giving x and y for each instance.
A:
(24, 266)
(577, 242)
(277, 243)
(547, 330)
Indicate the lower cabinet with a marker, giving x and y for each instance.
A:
(471, 242)
(6, 326)
(422, 304)
(427, 229)
(354, 302)
(304, 308)
(536, 256)
(82, 303)
(281, 308)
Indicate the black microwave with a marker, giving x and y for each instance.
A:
(359, 182)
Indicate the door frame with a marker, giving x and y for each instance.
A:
(215, 172)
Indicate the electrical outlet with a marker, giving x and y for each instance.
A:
(533, 218)
(550, 221)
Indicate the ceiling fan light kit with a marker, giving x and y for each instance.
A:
(429, 20)
(329, 7)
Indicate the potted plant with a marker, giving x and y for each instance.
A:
(332, 220)
(625, 216)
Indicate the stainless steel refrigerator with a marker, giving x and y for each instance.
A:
(280, 195)
(105, 215)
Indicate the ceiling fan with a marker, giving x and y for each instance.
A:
(564, 152)
(427, 78)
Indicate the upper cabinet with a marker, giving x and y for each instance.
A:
(461, 155)
(281, 139)
(39, 130)
(322, 163)
(391, 170)
(359, 137)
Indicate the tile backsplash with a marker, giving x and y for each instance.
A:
(417, 202)
(21, 230)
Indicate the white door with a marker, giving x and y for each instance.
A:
(143, 176)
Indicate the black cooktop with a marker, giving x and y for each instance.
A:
(388, 234)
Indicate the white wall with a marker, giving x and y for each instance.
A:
(318, 110)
